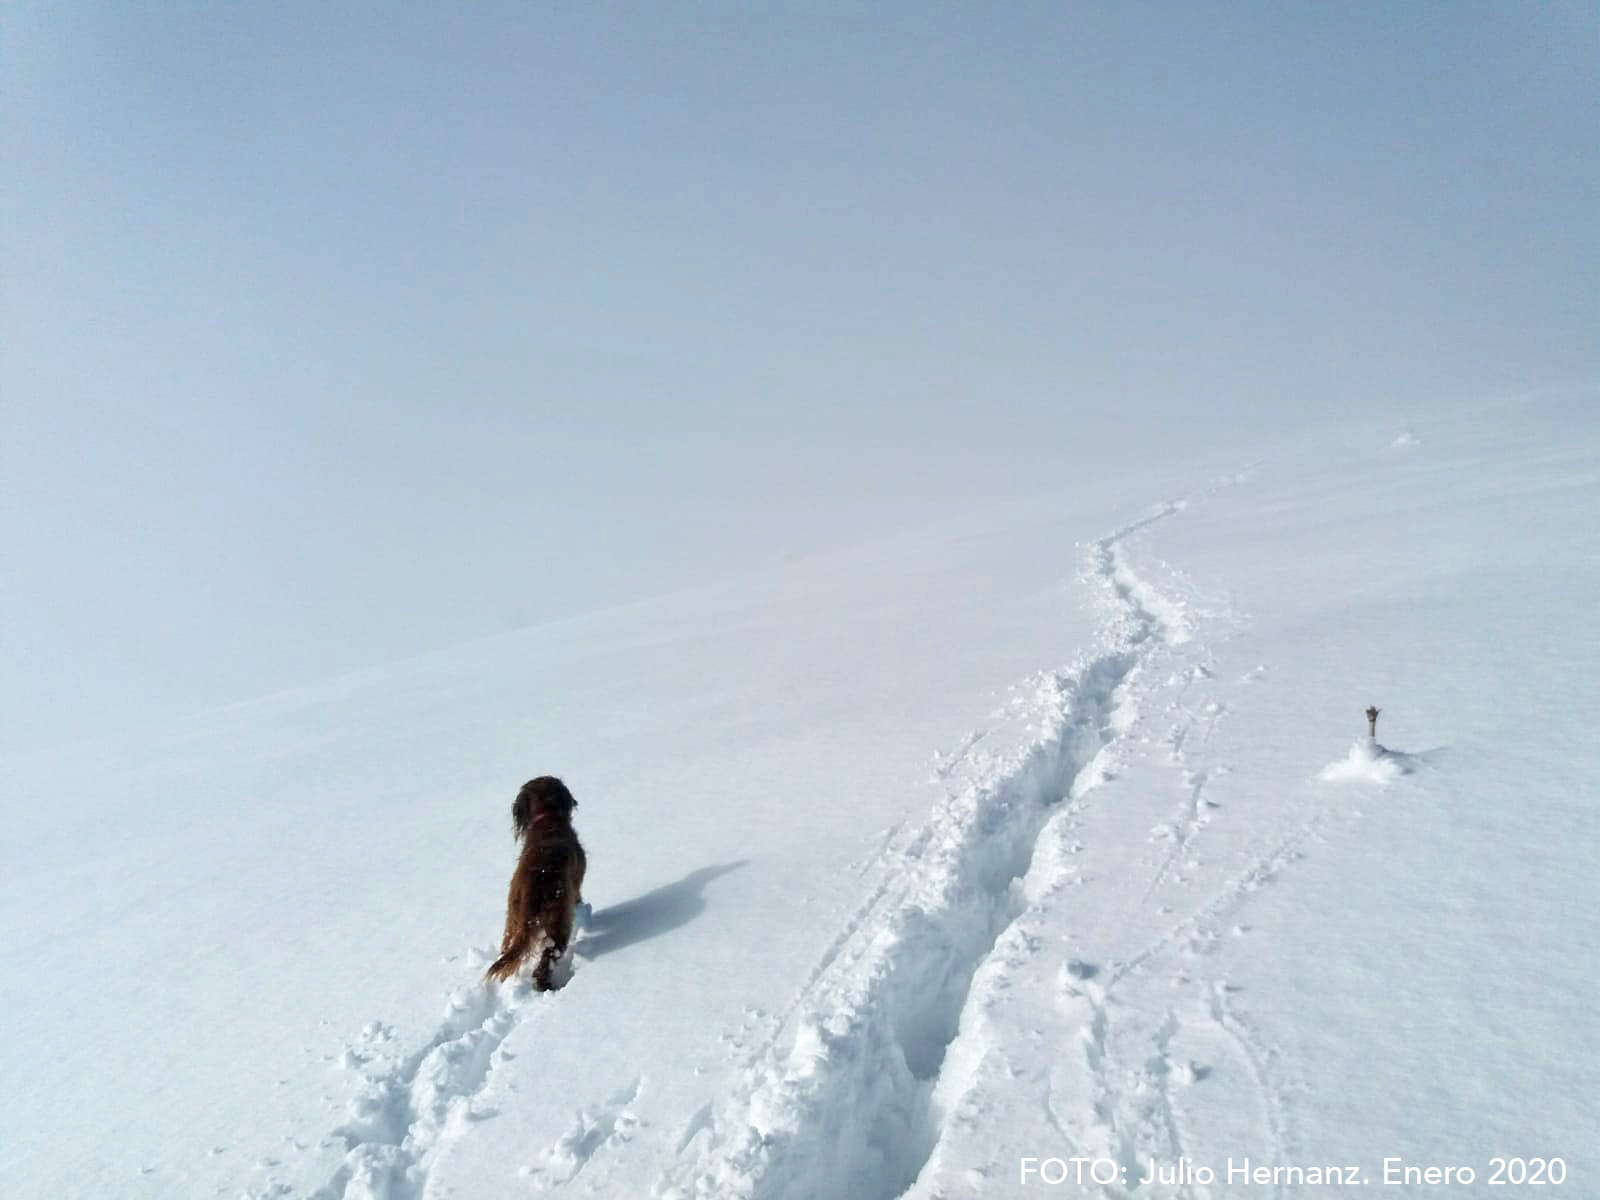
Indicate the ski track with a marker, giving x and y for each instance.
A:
(1120, 1102)
(849, 1094)
(1195, 813)
(1134, 1118)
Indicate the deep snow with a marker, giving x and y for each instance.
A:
(1039, 834)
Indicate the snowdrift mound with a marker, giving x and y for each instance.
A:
(1369, 761)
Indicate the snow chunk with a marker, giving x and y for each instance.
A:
(1370, 762)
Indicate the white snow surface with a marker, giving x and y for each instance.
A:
(1024, 837)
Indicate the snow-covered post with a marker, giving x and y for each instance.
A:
(1372, 721)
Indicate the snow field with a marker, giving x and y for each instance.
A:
(1157, 908)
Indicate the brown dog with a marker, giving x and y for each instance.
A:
(545, 886)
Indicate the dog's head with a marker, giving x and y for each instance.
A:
(538, 797)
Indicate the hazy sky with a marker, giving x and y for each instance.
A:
(332, 332)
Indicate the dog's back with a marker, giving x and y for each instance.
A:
(547, 884)
(549, 874)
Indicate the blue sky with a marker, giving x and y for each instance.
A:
(339, 332)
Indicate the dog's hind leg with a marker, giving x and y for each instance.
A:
(557, 933)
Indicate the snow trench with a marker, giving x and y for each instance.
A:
(843, 1101)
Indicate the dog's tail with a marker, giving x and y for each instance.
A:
(521, 924)
(517, 948)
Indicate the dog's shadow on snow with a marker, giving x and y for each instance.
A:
(650, 915)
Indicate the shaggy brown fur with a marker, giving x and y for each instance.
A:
(545, 886)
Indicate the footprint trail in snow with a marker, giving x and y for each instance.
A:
(884, 1060)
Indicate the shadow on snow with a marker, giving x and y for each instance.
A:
(650, 915)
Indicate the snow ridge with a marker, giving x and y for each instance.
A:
(846, 1097)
